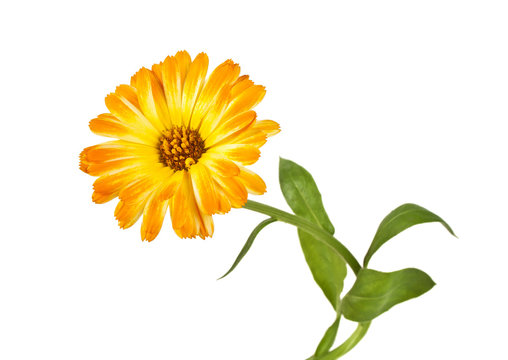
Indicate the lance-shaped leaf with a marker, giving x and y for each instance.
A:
(302, 194)
(248, 244)
(399, 220)
(328, 268)
(375, 292)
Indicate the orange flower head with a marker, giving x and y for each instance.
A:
(182, 142)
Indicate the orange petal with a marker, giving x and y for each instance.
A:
(180, 204)
(183, 60)
(128, 214)
(233, 189)
(152, 100)
(193, 84)
(109, 126)
(219, 164)
(245, 101)
(128, 113)
(269, 127)
(204, 189)
(99, 159)
(222, 76)
(114, 182)
(252, 181)
(102, 198)
(245, 154)
(129, 93)
(145, 184)
(242, 84)
(171, 185)
(186, 218)
(153, 217)
(213, 117)
(251, 136)
(157, 71)
(172, 81)
(230, 127)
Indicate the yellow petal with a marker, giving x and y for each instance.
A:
(170, 185)
(183, 61)
(114, 155)
(129, 93)
(204, 189)
(145, 184)
(172, 82)
(245, 154)
(109, 126)
(152, 100)
(153, 217)
(186, 218)
(245, 101)
(233, 189)
(224, 75)
(213, 117)
(230, 127)
(269, 127)
(252, 181)
(242, 84)
(128, 214)
(128, 113)
(193, 84)
(250, 136)
(219, 164)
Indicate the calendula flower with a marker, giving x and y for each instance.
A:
(183, 142)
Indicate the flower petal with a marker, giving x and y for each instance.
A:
(128, 113)
(224, 75)
(245, 101)
(186, 218)
(204, 189)
(213, 117)
(128, 214)
(233, 189)
(153, 217)
(115, 155)
(219, 164)
(171, 185)
(242, 84)
(252, 181)
(269, 127)
(193, 85)
(245, 154)
(152, 100)
(231, 126)
(109, 126)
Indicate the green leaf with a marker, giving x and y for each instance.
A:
(375, 292)
(302, 194)
(328, 339)
(328, 268)
(248, 244)
(399, 220)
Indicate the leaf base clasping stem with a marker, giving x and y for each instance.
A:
(309, 227)
(336, 246)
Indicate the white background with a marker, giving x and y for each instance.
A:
(384, 102)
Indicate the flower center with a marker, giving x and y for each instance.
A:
(181, 147)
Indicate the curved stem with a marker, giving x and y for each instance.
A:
(309, 227)
(350, 343)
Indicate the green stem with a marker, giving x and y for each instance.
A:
(309, 227)
(347, 345)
